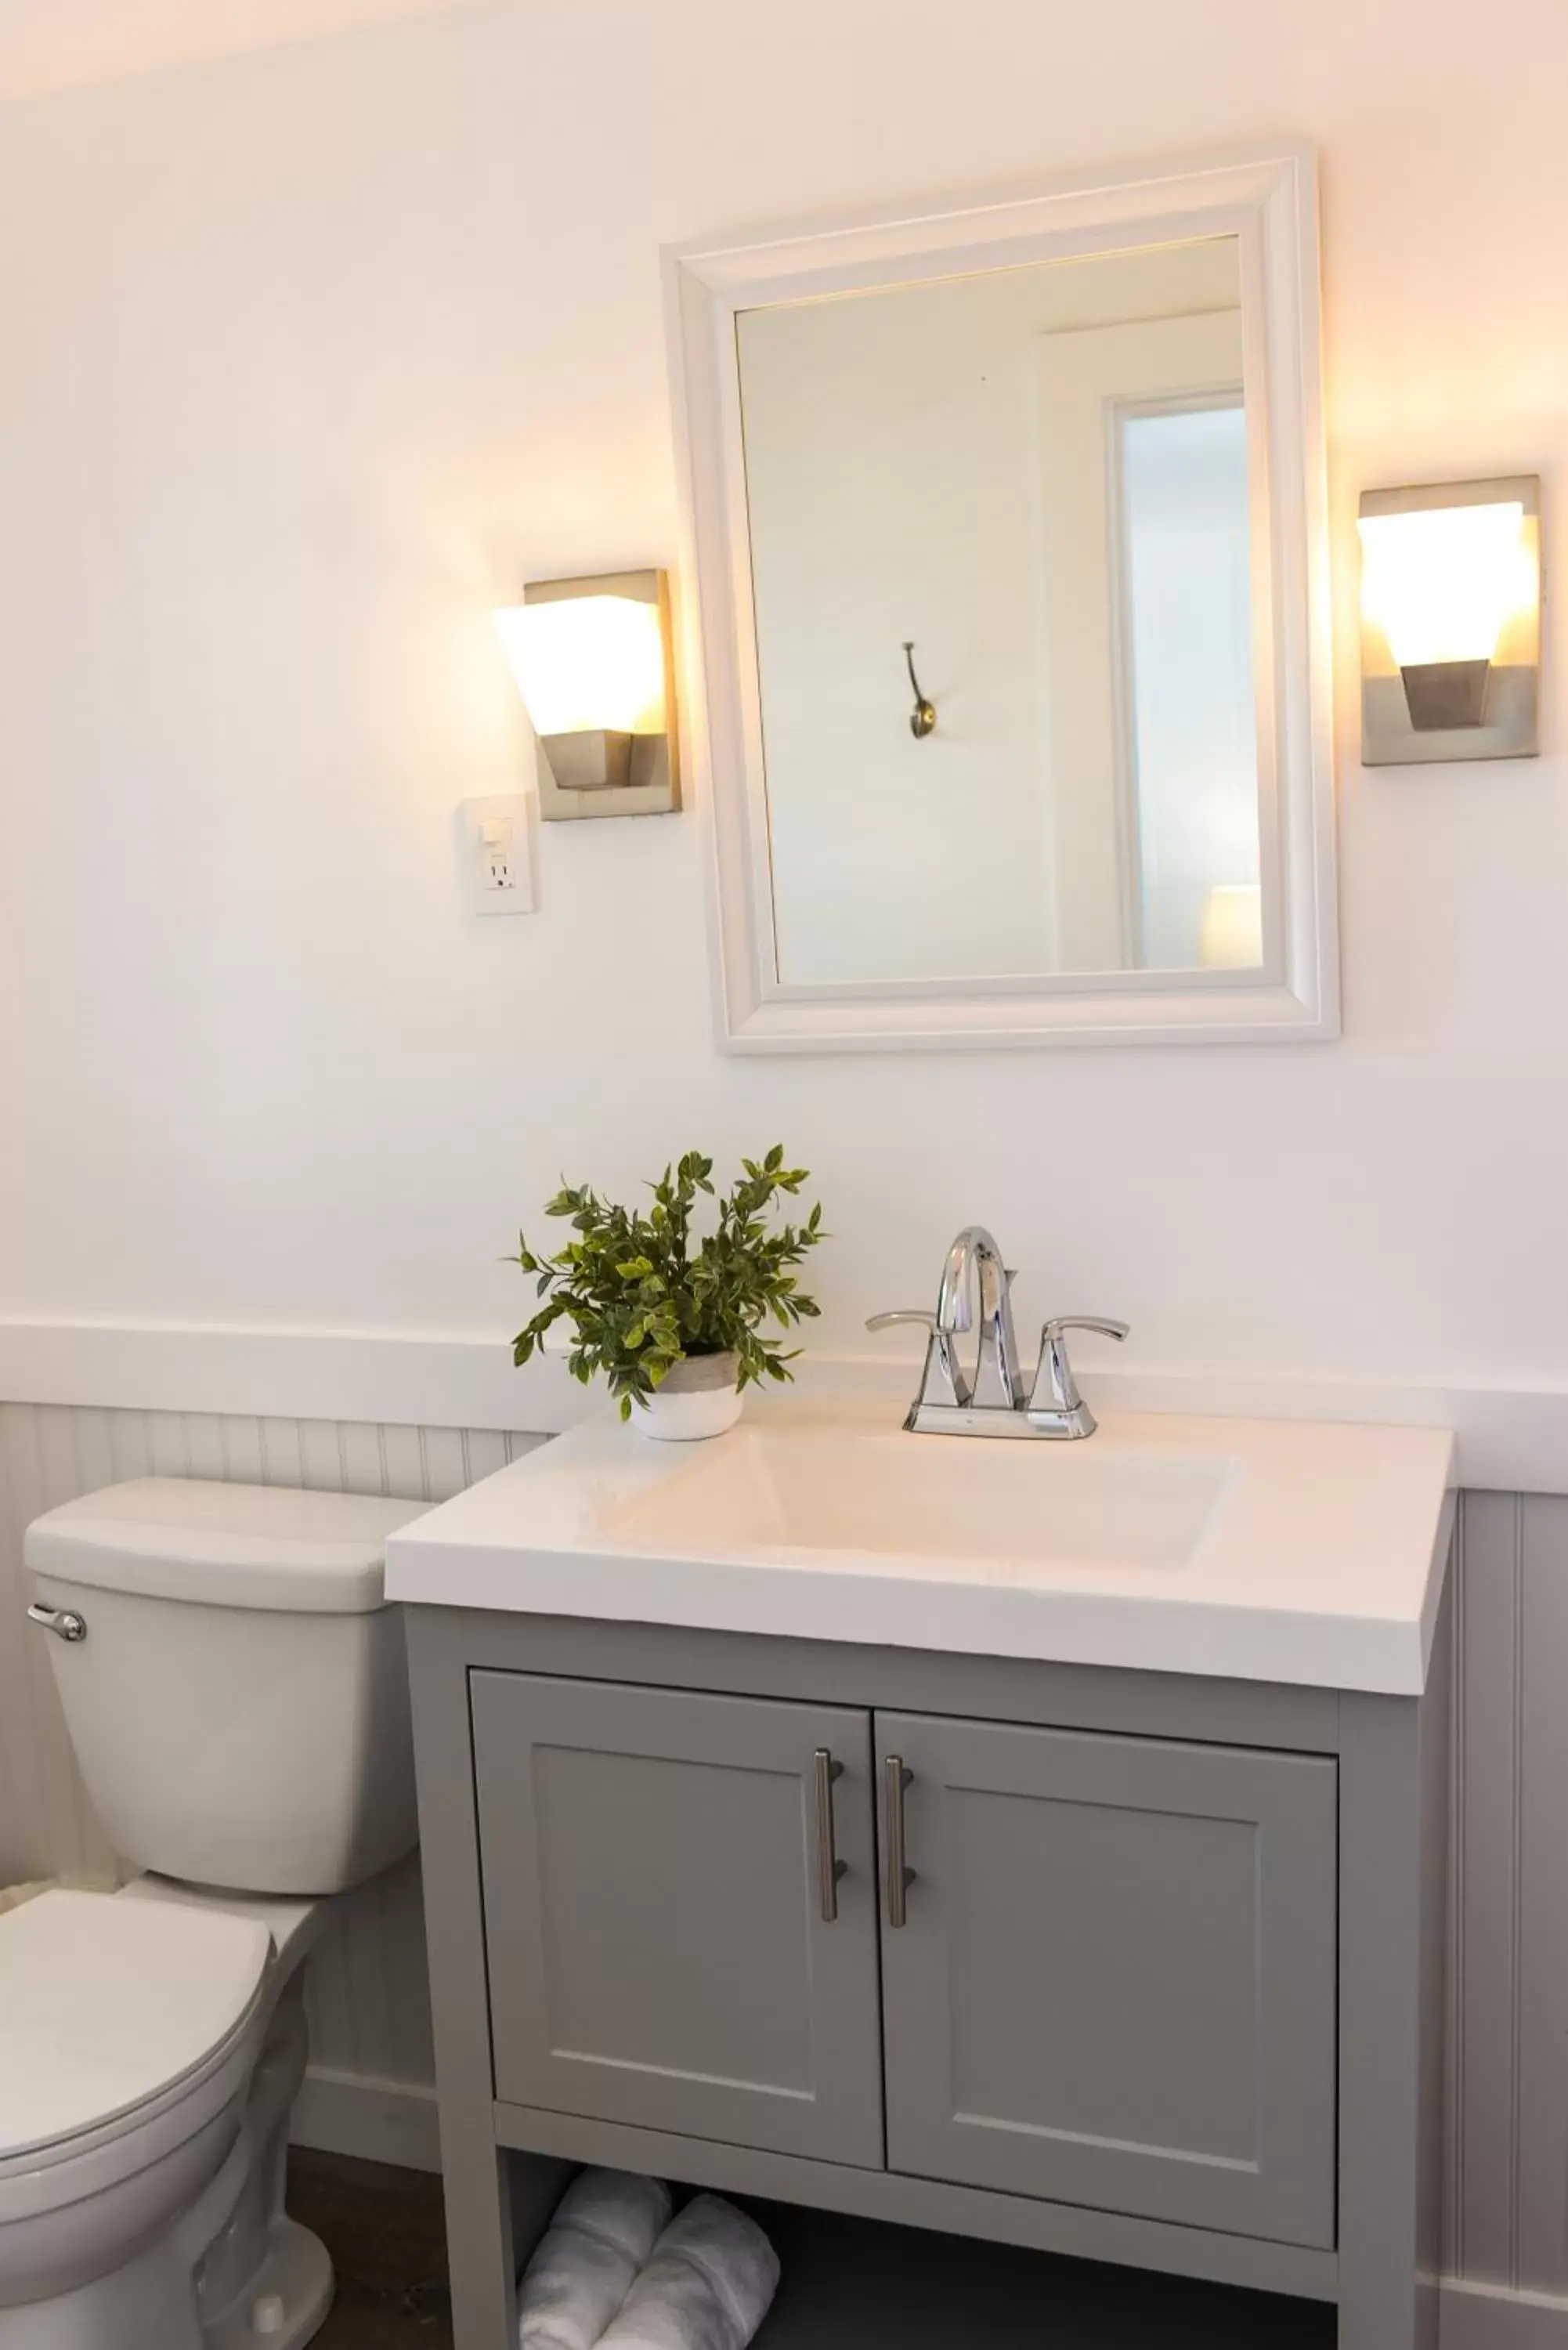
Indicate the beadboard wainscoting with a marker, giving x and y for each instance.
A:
(1506, 2216)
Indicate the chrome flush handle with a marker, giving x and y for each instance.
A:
(64, 1622)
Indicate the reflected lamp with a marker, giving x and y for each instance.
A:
(1231, 934)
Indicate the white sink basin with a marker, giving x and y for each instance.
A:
(1266, 1549)
(1028, 1508)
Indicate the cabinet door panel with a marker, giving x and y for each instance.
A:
(1117, 1983)
(653, 1912)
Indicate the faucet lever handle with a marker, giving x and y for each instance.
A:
(942, 1380)
(1056, 1408)
(1060, 1322)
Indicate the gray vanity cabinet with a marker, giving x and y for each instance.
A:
(1115, 1982)
(1166, 1989)
(655, 1915)
(1111, 1980)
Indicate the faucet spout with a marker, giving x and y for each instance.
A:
(975, 1266)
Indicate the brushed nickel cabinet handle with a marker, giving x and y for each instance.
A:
(829, 1868)
(63, 1621)
(900, 1876)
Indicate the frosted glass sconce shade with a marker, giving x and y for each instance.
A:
(587, 662)
(592, 662)
(1450, 621)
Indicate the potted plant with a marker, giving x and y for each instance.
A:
(675, 1322)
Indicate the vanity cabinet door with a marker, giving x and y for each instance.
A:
(1115, 1985)
(654, 1900)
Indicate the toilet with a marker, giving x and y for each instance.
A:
(235, 1687)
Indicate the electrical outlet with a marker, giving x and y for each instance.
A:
(496, 848)
(498, 868)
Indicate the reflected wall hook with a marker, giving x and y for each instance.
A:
(923, 717)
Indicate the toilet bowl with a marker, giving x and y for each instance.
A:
(128, 2039)
(232, 1681)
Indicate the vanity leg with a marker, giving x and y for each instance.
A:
(481, 2248)
(1394, 1828)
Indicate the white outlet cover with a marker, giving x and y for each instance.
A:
(498, 853)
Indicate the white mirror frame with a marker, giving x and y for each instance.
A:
(1267, 199)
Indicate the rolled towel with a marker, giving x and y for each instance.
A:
(707, 2285)
(604, 2229)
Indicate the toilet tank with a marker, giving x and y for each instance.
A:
(239, 1701)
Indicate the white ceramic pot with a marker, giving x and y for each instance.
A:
(698, 1398)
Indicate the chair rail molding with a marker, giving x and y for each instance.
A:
(1511, 1438)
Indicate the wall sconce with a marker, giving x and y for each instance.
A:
(594, 664)
(1451, 622)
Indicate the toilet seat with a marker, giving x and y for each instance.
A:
(125, 2027)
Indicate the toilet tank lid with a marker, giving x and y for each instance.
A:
(229, 1545)
(105, 2005)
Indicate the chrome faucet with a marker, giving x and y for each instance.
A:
(994, 1403)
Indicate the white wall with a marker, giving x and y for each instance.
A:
(311, 354)
(58, 44)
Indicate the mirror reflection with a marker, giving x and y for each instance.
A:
(1001, 568)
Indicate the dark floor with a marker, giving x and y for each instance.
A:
(383, 2229)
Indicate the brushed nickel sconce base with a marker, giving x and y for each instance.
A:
(595, 760)
(1441, 694)
(1391, 736)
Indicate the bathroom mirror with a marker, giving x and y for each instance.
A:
(1007, 527)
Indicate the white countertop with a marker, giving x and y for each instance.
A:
(1296, 1552)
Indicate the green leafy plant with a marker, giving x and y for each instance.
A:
(643, 1292)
